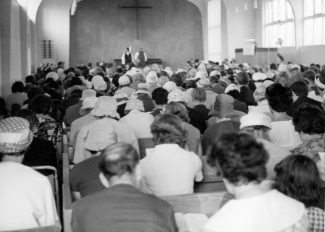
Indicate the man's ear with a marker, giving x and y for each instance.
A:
(103, 180)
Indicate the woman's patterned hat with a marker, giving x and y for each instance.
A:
(15, 135)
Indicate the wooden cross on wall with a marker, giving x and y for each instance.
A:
(136, 7)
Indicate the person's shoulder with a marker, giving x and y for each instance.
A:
(157, 202)
(90, 201)
(274, 148)
(24, 171)
(191, 129)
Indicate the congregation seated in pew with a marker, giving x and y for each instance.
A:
(121, 206)
(171, 161)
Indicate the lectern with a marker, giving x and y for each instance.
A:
(261, 56)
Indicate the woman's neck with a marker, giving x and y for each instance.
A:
(249, 190)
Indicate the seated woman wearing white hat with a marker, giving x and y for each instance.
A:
(105, 109)
(241, 161)
(26, 196)
(259, 126)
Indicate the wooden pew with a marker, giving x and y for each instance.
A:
(204, 203)
(41, 229)
(145, 143)
(54, 181)
(210, 183)
(66, 195)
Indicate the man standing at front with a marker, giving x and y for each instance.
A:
(127, 57)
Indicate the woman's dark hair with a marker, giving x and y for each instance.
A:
(116, 76)
(309, 75)
(242, 78)
(297, 176)
(279, 97)
(177, 109)
(300, 88)
(118, 159)
(3, 110)
(191, 84)
(30, 79)
(309, 120)
(160, 96)
(18, 87)
(41, 104)
(75, 81)
(177, 79)
(167, 128)
(234, 93)
(239, 158)
(33, 92)
(29, 116)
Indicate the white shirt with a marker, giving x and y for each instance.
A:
(124, 134)
(139, 122)
(170, 170)
(77, 124)
(284, 135)
(262, 107)
(269, 212)
(276, 154)
(26, 198)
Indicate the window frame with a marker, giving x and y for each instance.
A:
(287, 19)
(313, 17)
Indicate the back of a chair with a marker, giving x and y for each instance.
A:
(210, 183)
(53, 178)
(66, 195)
(144, 144)
(41, 229)
(203, 203)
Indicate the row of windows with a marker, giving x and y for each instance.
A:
(279, 24)
(279, 27)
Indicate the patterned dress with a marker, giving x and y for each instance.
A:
(316, 219)
(48, 129)
(312, 148)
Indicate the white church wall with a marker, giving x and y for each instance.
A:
(53, 23)
(241, 24)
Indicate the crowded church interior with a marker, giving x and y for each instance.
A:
(162, 115)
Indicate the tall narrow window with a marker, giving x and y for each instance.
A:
(47, 49)
(314, 22)
(278, 24)
(214, 30)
